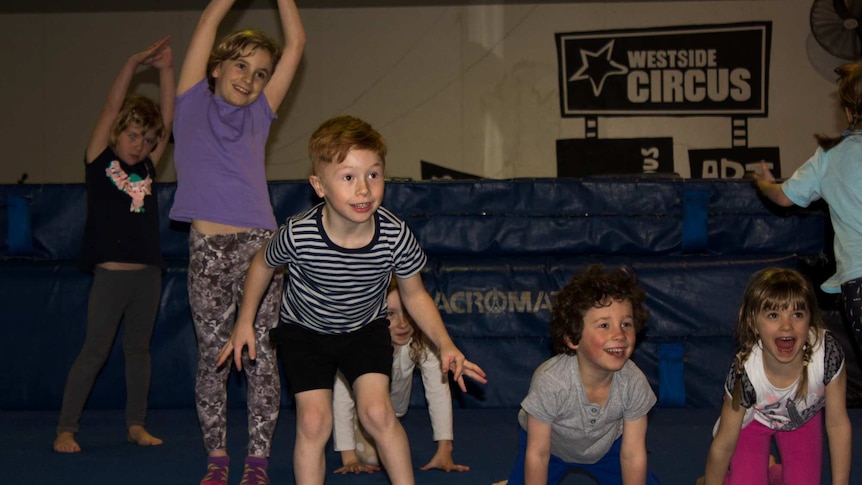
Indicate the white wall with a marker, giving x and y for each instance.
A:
(473, 88)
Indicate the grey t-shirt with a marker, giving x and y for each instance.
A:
(583, 432)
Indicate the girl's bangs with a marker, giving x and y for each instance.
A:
(785, 298)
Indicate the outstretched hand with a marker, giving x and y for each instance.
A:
(444, 465)
(241, 337)
(442, 459)
(453, 360)
(356, 467)
(472, 371)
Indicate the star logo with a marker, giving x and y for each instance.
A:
(597, 66)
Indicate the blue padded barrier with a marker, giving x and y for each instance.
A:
(695, 217)
(502, 308)
(499, 251)
(19, 226)
(494, 218)
(497, 314)
(671, 375)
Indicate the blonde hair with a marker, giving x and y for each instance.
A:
(241, 44)
(419, 344)
(141, 111)
(774, 289)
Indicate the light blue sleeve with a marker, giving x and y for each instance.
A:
(803, 187)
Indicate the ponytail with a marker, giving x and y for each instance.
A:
(802, 390)
(738, 369)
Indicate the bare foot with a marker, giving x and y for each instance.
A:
(140, 436)
(65, 443)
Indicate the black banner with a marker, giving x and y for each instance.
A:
(591, 157)
(732, 163)
(714, 70)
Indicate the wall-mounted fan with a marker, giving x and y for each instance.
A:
(837, 27)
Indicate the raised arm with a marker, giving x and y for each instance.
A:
(294, 44)
(164, 62)
(424, 312)
(194, 66)
(101, 135)
(838, 429)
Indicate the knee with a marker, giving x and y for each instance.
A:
(376, 416)
(314, 424)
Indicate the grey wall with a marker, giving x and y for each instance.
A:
(473, 88)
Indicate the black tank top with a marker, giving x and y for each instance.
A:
(122, 213)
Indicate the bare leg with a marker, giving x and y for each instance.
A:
(313, 428)
(378, 418)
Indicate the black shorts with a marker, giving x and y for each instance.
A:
(310, 359)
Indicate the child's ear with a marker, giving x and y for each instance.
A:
(216, 71)
(314, 180)
(752, 326)
(570, 345)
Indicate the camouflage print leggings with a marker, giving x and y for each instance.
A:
(851, 296)
(217, 267)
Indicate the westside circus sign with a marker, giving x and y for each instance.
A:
(687, 71)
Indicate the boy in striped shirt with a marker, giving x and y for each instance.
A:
(339, 256)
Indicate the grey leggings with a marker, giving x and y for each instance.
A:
(217, 267)
(131, 296)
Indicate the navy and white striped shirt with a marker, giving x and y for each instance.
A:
(329, 289)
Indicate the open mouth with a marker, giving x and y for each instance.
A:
(617, 352)
(785, 344)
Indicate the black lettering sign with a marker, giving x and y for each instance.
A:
(599, 157)
(732, 163)
(715, 70)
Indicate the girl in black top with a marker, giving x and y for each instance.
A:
(121, 243)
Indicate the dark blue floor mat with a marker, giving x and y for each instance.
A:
(485, 439)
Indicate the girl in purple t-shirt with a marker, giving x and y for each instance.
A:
(227, 99)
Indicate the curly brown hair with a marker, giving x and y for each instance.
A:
(593, 288)
(240, 44)
(774, 289)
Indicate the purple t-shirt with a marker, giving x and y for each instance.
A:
(219, 157)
